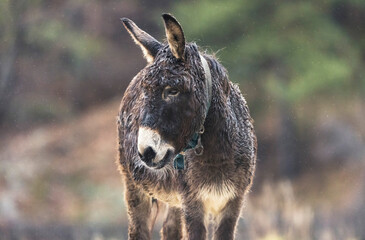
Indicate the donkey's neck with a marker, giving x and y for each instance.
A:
(218, 137)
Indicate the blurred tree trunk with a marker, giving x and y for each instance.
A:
(286, 141)
(8, 78)
(12, 43)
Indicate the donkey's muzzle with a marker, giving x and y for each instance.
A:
(152, 149)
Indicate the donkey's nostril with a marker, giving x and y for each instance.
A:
(148, 155)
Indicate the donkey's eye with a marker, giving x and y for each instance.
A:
(169, 92)
(172, 92)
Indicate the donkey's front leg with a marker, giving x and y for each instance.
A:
(194, 221)
(227, 220)
(172, 227)
(139, 212)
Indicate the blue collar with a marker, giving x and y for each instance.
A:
(195, 142)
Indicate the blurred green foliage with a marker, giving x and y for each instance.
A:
(46, 53)
(55, 34)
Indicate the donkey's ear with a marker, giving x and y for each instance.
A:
(148, 44)
(175, 36)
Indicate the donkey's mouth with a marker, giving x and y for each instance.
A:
(160, 164)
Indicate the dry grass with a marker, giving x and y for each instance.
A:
(276, 212)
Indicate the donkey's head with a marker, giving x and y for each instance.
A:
(175, 93)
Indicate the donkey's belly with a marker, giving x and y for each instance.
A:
(214, 198)
(171, 198)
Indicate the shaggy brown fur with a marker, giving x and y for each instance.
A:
(212, 186)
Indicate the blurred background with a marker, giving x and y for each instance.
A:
(64, 66)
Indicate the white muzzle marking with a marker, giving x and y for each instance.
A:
(148, 137)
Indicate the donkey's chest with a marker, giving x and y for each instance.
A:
(215, 197)
(214, 186)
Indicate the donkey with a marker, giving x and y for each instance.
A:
(186, 138)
